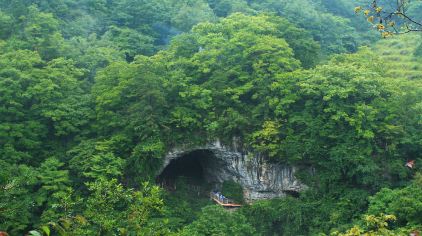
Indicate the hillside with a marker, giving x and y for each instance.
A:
(217, 117)
(401, 56)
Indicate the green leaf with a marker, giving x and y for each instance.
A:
(46, 230)
(34, 233)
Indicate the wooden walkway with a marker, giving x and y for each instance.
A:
(224, 202)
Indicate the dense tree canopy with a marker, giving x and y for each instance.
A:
(93, 93)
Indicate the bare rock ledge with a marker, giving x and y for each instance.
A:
(259, 178)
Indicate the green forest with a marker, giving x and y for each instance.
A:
(95, 93)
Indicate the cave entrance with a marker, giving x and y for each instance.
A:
(191, 168)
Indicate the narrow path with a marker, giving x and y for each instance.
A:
(225, 202)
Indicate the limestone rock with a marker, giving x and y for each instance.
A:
(259, 178)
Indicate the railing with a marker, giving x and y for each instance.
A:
(223, 201)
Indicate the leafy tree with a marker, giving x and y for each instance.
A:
(224, 8)
(353, 99)
(191, 13)
(6, 25)
(236, 59)
(333, 29)
(375, 226)
(55, 183)
(39, 100)
(182, 206)
(92, 161)
(134, 115)
(279, 216)
(17, 197)
(404, 203)
(93, 54)
(112, 208)
(109, 209)
(214, 220)
(41, 33)
(129, 42)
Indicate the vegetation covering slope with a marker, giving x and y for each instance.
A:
(93, 93)
(402, 56)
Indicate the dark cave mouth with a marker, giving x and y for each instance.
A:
(193, 167)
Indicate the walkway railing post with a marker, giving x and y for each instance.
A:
(225, 202)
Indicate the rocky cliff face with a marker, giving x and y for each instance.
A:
(259, 178)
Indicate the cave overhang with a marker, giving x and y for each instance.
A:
(259, 178)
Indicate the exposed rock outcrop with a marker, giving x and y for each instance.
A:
(259, 178)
